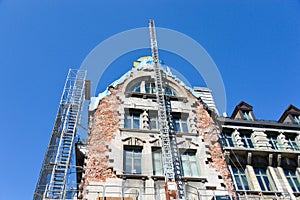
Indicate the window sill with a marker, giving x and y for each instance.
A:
(255, 192)
(153, 96)
(132, 176)
(179, 134)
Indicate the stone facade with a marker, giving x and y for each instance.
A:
(262, 156)
(122, 125)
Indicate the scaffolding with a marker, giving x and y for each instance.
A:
(52, 182)
(170, 154)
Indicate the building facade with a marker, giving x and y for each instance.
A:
(122, 156)
(262, 156)
(236, 157)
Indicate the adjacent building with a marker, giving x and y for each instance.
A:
(263, 156)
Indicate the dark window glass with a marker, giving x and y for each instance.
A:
(293, 180)
(240, 178)
(227, 140)
(263, 179)
(246, 139)
(273, 141)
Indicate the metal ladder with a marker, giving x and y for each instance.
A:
(170, 153)
(52, 183)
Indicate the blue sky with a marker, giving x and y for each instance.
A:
(255, 45)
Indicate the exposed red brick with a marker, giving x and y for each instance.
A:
(209, 130)
(105, 124)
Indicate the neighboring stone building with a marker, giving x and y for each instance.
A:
(122, 155)
(263, 156)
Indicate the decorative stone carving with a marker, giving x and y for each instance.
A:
(145, 120)
(133, 141)
(260, 140)
(237, 138)
(283, 143)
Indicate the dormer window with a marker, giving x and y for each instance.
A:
(243, 111)
(290, 116)
(247, 115)
(296, 119)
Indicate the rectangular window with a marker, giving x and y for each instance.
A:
(227, 140)
(240, 178)
(273, 141)
(153, 121)
(132, 160)
(189, 164)
(292, 143)
(180, 123)
(157, 162)
(293, 180)
(246, 139)
(263, 179)
(247, 116)
(132, 119)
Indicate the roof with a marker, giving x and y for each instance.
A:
(291, 110)
(243, 106)
(147, 62)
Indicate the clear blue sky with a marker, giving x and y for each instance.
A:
(256, 47)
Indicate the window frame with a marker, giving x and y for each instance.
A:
(247, 115)
(239, 175)
(246, 139)
(292, 142)
(273, 141)
(157, 162)
(296, 119)
(191, 163)
(131, 117)
(293, 179)
(153, 120)
(227, 140)
(262, 176)
(180, 122)
(136, 152)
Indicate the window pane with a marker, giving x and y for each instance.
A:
(128, 163)
(238, 182)
(293, 180)
(189, 164)
(194, 169)
(184, 126)
(136, 123)
(157, 162)
(245, 182)
(176, 125)
(267, 183)
(127, 122)
(132, 161)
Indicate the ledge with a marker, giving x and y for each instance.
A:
(132, 176)
(155, 131)
(258, 150)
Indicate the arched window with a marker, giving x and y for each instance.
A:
(150, 88)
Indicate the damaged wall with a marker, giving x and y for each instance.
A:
(105, 124)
